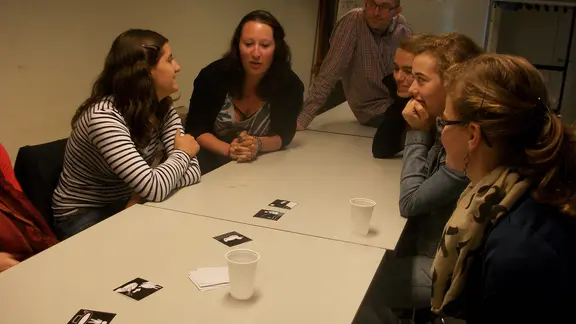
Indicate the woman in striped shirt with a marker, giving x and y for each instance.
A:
(117, 133)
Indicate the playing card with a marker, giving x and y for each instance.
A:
(286, 204)
(232, 239)
(138, 288)
(86, 316)
(269, 214)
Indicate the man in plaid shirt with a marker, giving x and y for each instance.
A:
(362, 48)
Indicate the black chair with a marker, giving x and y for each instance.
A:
(38, 169)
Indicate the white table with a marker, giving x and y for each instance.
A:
(300, 279)
(340, 120)
(321, 172)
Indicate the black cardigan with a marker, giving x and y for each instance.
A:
(210, 89)
(388, 138)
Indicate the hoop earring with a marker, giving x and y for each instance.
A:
(466, 162)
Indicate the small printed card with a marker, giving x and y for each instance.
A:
(232, 239)
(269, 214)
(286, 204)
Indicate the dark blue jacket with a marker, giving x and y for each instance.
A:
(526, 271)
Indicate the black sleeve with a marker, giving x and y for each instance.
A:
(286, 108)
(205, 103)
(388, 139)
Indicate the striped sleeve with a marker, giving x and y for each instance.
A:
(172, 122)
(342, 45)
(110, 135)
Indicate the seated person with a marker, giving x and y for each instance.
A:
(428, 189)
(23, 231)
(512, 236)
(389, 138)
(117, 132)
(247, 102)
(361, 54)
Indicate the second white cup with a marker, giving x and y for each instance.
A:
(242, 264)
(361, 213)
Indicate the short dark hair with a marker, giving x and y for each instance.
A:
(281, 64)
(127, 78)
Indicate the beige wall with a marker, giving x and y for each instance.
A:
(51, 51)
(469, 17)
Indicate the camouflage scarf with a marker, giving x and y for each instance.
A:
(488, 200)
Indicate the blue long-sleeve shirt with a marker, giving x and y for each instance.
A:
(429, 189)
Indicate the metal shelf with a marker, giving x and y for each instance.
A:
(550, 5)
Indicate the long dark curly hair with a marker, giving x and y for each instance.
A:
(127, 79)
(281, 64)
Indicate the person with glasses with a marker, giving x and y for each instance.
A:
(428, 188)
(508, 253)
(362, 48)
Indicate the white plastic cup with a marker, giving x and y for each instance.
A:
(242, 264)
(361, 213)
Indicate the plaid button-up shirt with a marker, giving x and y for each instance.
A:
(361, 59)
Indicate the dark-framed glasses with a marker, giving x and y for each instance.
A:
(441, 123)
(387, 7)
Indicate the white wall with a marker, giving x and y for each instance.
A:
(468, 17)
(542, 38)
(52, 51)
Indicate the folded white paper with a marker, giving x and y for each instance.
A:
(209, 278)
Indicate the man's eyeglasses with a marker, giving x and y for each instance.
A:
(384, 6)
(441, 123)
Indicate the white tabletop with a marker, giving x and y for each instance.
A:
(300, 279)
(319, 171)
(340, 120)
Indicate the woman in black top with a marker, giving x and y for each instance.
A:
(248, 101)
(389, 138)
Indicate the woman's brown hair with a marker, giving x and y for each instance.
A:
(507, 97)
(448, 49)
(280, 68)
(127, 79)
(411, 44)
